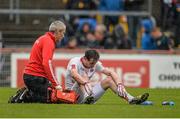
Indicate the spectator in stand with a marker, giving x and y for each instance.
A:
(81, 4)
(109, 44)
(98, 39)
(147, 41)
(133, 22)
(177, 24)
(81, 34)
(134, 5)
(169, 18)
(70, 32)
(111, 5)
(121, 39)
(63, 43)
(99, 34)
(91, 41)
(72, 43)
(168, 13)
(162, 42)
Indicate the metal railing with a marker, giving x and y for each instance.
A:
(14, 9)
(72, 12)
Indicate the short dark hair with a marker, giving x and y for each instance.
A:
(92, 54)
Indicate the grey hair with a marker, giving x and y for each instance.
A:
(101, 28)
(57, 25)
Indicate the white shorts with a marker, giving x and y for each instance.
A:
(97, 91)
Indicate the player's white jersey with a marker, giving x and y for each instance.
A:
(77, 63)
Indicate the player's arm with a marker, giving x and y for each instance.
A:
(120, 87)
(113, 75)
(82, 80)
(75, 75)
(108, 72)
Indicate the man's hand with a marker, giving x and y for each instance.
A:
(58, 87)
(88, 88)
(121, 90)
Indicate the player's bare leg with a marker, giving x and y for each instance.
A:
(109, 83)
(99, 88)
(121, 91)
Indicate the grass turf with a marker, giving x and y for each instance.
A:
(109, 106)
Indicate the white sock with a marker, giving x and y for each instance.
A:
(129, 96)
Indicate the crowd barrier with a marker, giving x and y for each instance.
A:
(136, 68)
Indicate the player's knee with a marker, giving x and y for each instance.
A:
(107, 82)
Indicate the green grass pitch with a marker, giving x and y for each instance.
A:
(109, 106)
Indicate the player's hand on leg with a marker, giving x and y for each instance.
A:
(88, 88)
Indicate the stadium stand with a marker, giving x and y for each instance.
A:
(22, 29)
(30, 27)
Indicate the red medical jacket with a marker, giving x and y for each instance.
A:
(40, 62)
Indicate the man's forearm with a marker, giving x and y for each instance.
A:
(115, 77)
(79, 78)
(47, 64)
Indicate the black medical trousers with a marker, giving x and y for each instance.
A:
(37, 88)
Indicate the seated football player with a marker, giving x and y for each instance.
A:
(80, 71)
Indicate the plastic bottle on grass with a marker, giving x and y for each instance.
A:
(147, 103)
(171, 103)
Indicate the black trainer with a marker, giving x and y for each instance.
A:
(139, 99)
(18, 97)
(89, 100)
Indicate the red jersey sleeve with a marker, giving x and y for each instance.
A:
(47, 53)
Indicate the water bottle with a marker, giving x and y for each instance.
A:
(165, 103)
(147, 103)
(171, 103)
